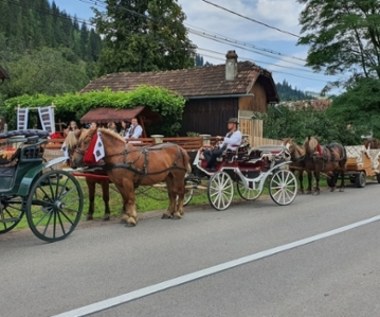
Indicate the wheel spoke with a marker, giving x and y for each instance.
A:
(54, 213)
(283, 187)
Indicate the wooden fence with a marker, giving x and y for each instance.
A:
(251, 129)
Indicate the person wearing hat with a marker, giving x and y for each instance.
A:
(231, 141)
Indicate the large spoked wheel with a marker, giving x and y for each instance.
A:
(190, 184)
(220, 191)
(248, 193)
(11, 212)
(283, 187)
(54, 206)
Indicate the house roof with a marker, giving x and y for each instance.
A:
(194, 82)
(3, 74)
(105, 115)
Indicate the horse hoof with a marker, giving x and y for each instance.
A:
(177, 216)
(106, 218)
(166, 216)
(131, 222)
(90, 217)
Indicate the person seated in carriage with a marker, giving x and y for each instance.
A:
(73, 127)
(231, 141)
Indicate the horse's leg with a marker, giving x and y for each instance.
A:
(126, 190)
(179, 185)
(106, 198)
(333, 180)
(300, 179)
(170, 212)
(341, 189)
(91, 197)
(317, 176)
(309, 182)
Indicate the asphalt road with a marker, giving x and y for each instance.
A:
(319, 256)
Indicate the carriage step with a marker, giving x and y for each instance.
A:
(193, 179)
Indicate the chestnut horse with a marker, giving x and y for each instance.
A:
(330, 159)
(297, 156)
(128, 167)
(71, 142)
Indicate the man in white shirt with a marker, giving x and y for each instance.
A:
(135, 130)
(231, 141)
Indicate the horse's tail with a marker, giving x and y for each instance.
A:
(186, 160)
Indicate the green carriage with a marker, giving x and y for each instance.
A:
(51, 198)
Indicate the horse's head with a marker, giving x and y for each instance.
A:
(295, 151)
(312, 145)
(80, 148)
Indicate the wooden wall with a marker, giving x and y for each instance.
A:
(209, 116)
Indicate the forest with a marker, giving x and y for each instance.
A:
(45, 50)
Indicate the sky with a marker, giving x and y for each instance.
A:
(217, 26)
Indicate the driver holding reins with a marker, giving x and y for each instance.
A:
(231, 141)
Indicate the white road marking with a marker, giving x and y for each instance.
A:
(145, 291)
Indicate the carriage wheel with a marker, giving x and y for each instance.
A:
(220, 191)
(283, 187)
(248, 193)
(11, 212)
(54, 205)
(190, 184)
(360, 179)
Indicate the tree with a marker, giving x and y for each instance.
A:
(344, 36)
(359, 108)
(142, 35)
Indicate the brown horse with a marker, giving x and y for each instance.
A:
(330, 159)
(71, 142)
(128, 167)
(300, 163)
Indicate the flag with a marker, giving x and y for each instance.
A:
(99, 148)
(47, 118)
(22, 118)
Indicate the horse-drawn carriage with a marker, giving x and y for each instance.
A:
(52, 199)
(361, 163)
(249, 169)
(129, 167)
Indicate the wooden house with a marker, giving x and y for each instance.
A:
(213, 93)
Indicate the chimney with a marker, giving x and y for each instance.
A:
(231, 65)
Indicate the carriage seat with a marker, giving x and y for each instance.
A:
(240, 154)
(268, 151)
(8, 155)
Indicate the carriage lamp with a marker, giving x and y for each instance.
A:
(206, 139)
(158, 138)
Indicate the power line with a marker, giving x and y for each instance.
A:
(251, 19)
(242, 45)
(208, 35)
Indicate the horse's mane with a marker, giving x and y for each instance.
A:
(311, 143)
(298, 148)
(111, 134)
